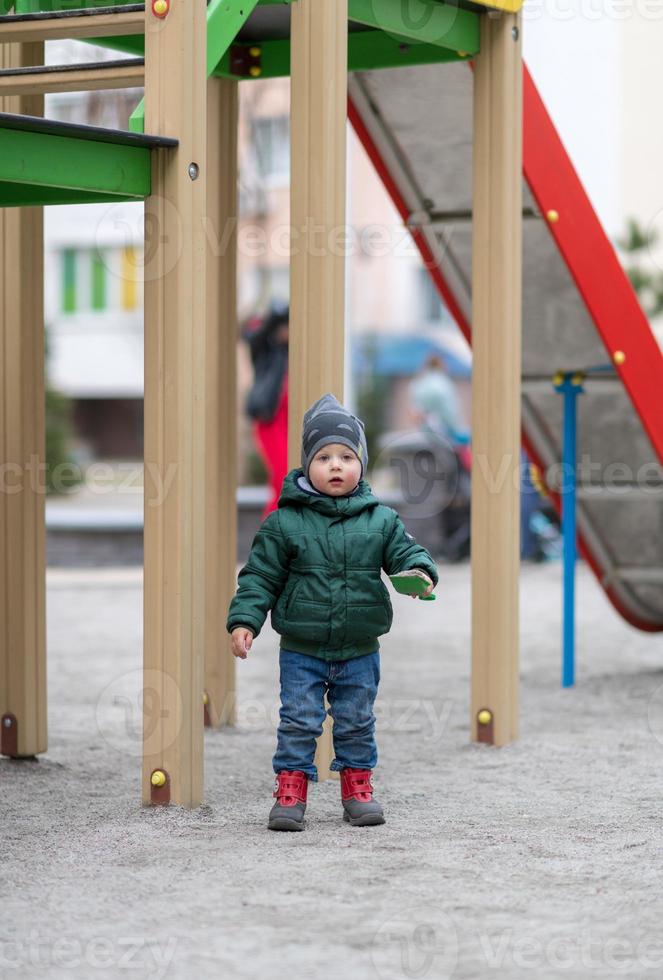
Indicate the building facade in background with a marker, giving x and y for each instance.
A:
(94, 297)
(598, 65)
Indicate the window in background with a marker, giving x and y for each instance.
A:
(271, 138)
(273, 283)
(431, 307)
(129, 279)
(68, 266)
(100, 280)
(98, 273)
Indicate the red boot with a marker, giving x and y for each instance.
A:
(290, 792)
(359, 807)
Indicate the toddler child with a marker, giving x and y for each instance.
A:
(315, 563)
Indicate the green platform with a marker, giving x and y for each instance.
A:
(46, 162)
(53, 163)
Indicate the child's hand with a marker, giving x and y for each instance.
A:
(241, 638)
(430, 584)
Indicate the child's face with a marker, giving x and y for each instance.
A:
(335, 470)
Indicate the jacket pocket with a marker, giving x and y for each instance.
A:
(386, 601)
(281, 607)
(289, 599)
(302, 614)
(369, 611)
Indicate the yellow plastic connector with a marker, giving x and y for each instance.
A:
(158, 778)
(509, 6)
(538, 482)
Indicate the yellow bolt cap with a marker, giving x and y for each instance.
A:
(619, 357)
(205, 697)
(254, 71)
(254, 51)
(558, 378)
(160, 7)
(158, 778)
(577, 379)
(552, 216)
(485, 717)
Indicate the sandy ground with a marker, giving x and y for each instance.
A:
(539, 860)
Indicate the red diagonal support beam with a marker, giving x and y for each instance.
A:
(591, 260)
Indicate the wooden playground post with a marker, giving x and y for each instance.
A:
(175, 414)
(496, 343)
(23, 714)
(221, 433)
(319, 38)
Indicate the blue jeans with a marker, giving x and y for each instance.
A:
(351, 687)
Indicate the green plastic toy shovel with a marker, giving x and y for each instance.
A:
(411, 583)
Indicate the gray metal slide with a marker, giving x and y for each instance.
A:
(416, 124)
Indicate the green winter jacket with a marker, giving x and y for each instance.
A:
(316, 561)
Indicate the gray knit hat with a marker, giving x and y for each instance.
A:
(325, 422)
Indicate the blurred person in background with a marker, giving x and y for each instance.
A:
(267, 400)
(435, 410)
(540, 534)
(436, 406)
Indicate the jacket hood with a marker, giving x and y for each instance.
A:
(298, 492)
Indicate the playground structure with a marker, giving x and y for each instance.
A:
(445, 138)
(583, 328)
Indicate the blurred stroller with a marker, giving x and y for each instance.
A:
(433, 490)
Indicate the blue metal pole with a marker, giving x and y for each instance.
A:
(569, 531)
(570, 386)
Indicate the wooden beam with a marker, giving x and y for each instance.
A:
(496, 344)
(22, 451)
(221, 423)
(83, 78)
(61, 26)
(225, 18)
(175, 330)
(319, 40)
